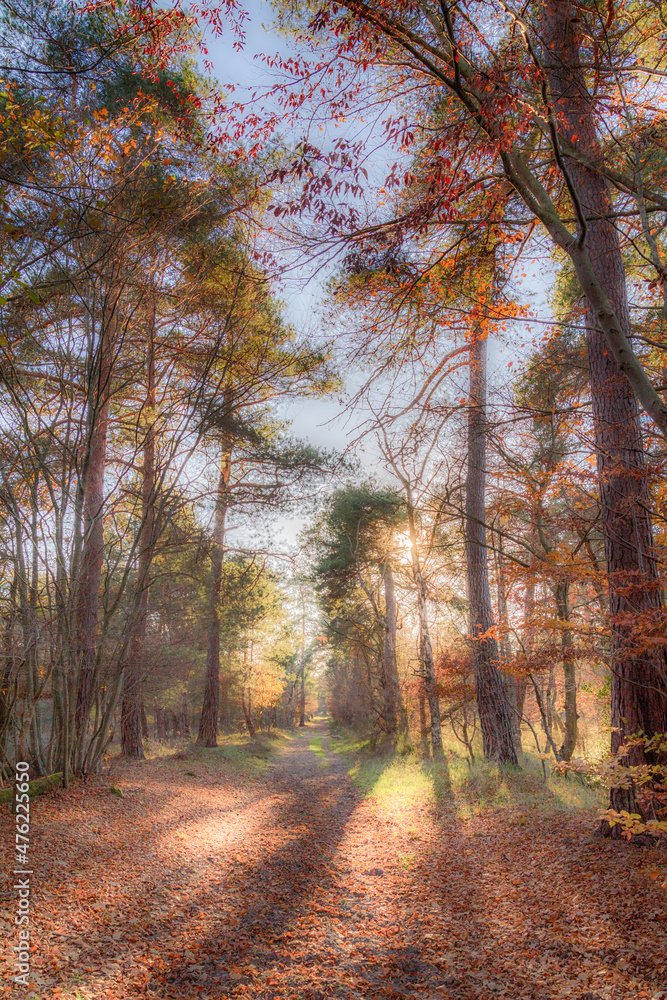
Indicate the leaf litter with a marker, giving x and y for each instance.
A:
(288, 885)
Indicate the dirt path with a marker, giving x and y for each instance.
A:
(204, 882)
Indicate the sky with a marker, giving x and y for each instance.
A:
(328, 423)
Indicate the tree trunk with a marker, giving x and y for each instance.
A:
(562, 595)
(638, 684)
(425, 648)
(551, 695)
(143, 719)
(392, 700)
(423, 725)
(247, 712)
(92, 551)
(511, 683)
(131, 728)
(529, 631)
(184, 716)
(302, 699)
(287, 703)
(208, 723)
(494, 712)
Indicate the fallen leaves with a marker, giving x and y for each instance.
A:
(291, 887)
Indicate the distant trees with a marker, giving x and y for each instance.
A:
(356, 550)
(137, 334)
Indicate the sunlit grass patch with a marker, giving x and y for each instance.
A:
(316, 746)
(386, 776)
(471, 788)
(462, 787)
(382, 774)
(252, 756)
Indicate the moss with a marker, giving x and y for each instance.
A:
(38, 786)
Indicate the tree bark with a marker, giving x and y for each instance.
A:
(131, 725)
(247, 712)
(423, 725)
(184, 716)
(143, 719)
(92, 550)
(208, 723)
(510, 682)
(561, 594)
(494, 712)
(392, 701)
(302, 698)
(638, 684)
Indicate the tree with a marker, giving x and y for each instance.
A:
(114, 360)
(520, 116)
(495, 711)
(356, 549)
(263, 364)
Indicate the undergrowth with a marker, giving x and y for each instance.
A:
(243, 753)
(457, 785)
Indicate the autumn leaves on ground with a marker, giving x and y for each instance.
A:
(289, 868)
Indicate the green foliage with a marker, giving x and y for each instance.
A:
(556, 374)
(357, 529)
(316, 746)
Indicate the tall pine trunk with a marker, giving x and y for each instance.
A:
(423, 725)
(392, 691)
(131, 721)
(208, 723)
(492, 703)
(638, 685)
(302, 695)
(92, 548)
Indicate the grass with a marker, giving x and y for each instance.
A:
(316, 746)
(236, 752)
(459, 786)
(251, 756)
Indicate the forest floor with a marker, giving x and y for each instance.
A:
(277, 878)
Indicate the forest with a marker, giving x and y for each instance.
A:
(332, 466)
